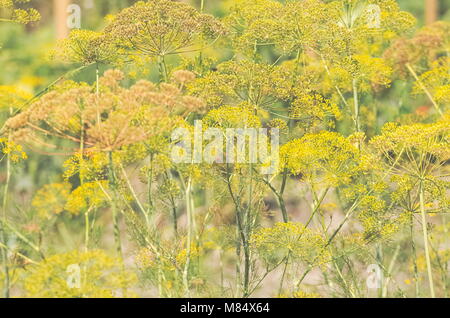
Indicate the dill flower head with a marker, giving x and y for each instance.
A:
(100, 276)
(161, 27)
(12, 97)
(231, 117)
(89, 195)
(86, 47)
(89, 166)
(183, 77)
(407, 145)
(253, 22)
(301, 243)
(312, 107)
(239, 81)
(51, 199)
(11, 149)
(14, 14)
(326, 158)
(352, 32)
(302, 24)
(420, 50)
(110, 119)
(414, 155)
(437, 81)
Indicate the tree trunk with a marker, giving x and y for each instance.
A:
(60, 18)
(431, 11)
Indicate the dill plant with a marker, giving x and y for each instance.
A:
(350, 189)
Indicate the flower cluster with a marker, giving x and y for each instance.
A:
(326, 158)
(161, 27)
(15, 14)
(293, 239)
(96, 274)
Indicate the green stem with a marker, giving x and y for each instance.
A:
(189, 212)
(424, 88)
(248, 230)
(286, 263)
(356, 105)
(163, 75)
(413, 248)
(6, 287)
(114, 208)
(425, 238)
(150, 207)
(97, 88)
(86, 230)
(279, 196)
(202, 6)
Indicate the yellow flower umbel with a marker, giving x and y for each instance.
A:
(161, 27)
(91, 274)
(90, 195)
(290, 240)
(11, 149)
(12, 97)
(86, 47)
(13, 14)
(414, 156)
(236, 82)
(326, 158)
(110, 119)
(437, 82)
(51, 199)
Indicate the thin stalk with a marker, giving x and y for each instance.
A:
(414, 254)
(445, 265)
(317, 206)
(189, 212)
(202, 6)
(279, 196)
(86, 231)
(174, 216)
(149, 192)
(247, 234)
(239, 230)
(221, 271)
(389, 271)
(26, 258)
(86, 213)
(425, 238)
(114, 208)
(163, 75)
(97, 85)
(356, 105)
(347, 287)
(442, 270)
(283, 275)
(423, 87)
(133, 193)
(379, 259)
(173, 206)
(21, 237)
(6, 288)
(349, 213)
